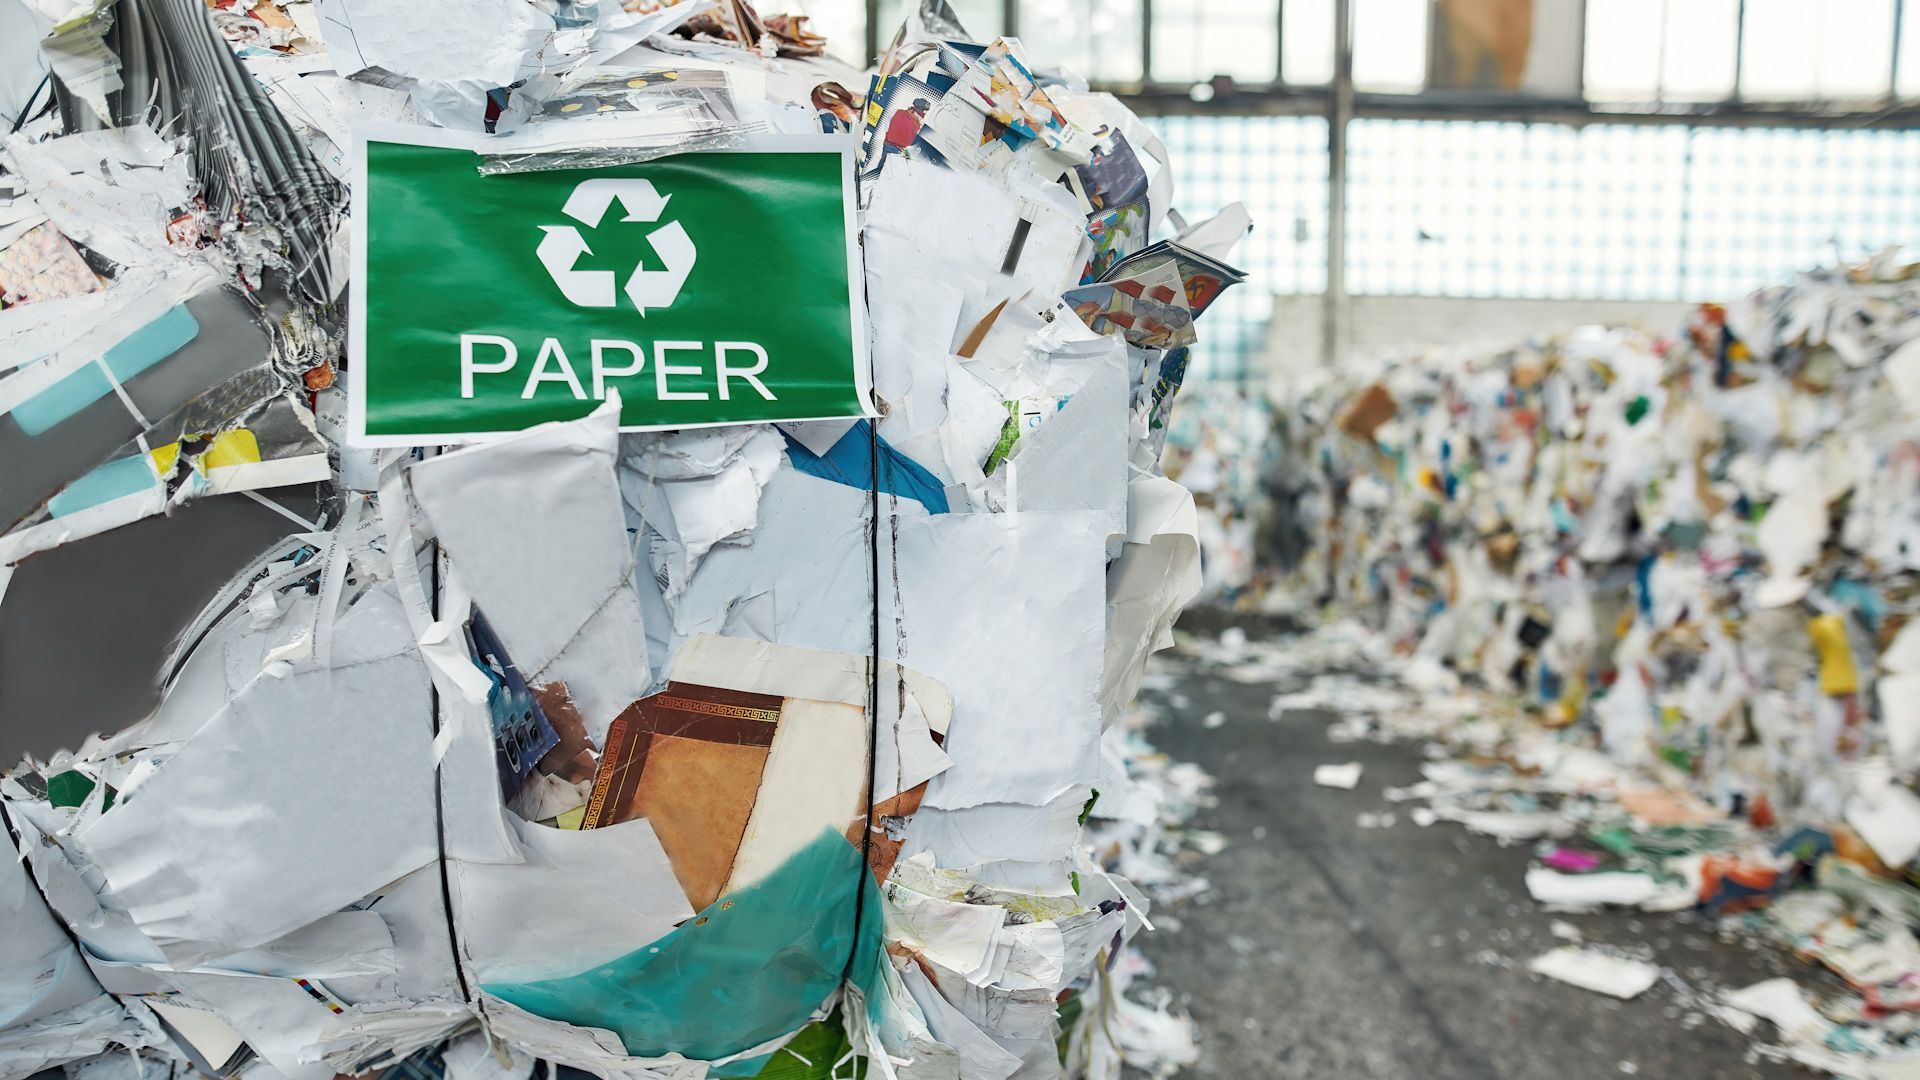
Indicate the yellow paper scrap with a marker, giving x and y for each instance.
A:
(1829, 634)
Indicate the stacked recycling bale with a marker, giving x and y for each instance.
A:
(645, 750)
(1701, 548)
(1221, 447)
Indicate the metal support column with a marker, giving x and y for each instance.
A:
(1739, 51)
(1893, 60)
(1335, 310)
(1146, 42)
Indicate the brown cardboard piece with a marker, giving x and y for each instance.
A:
(690, 760)
(1364, 415)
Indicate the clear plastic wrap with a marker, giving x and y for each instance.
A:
(640, 114)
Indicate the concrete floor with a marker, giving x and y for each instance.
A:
(1328, 950)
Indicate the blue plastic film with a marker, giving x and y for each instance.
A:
(850, 462)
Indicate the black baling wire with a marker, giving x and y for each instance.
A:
(439, 791)
(873, 669)
(26, 109)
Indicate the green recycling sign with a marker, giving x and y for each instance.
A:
(712, 287)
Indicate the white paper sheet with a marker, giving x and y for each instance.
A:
(1217, 236)
(88, 69)
(72, 1034)
(351, 952)
(981, 1058)
(201, 1029)
(1023, 668)
(912, 318)
(1345, 776)
(276, 1016)
(334, 765)
(581, 898)
(1020, 1022)
(440, 41)
(697, 489)
(106, 933)
(1590, 890)
(1157, 573)
(1077, 458)
(533, 522)
(975, 417)
(910, 228)
(957, 935)
(415, 912)
(1899, 697)
(41, 973)
(1015, 628)
(986, 832)
(472, 1057)
(109, 212)
(1780, 1001)
(595, 1050)
(905, 755)
(900, 1031)
(363, 1031)
(1887, 817)
(1596, 971)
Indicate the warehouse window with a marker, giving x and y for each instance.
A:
(1390, 45)
(1619, 65)
(1658, 50)
(1490, 208)
(1508, 210)
(844, 22)
(1514, 210)
(1612, 52)
(1770, 202)
(1195, 40)
(1098, 39)
(1699, 52)
(1617, 212)
(1278, 166)
(1306, 42)
(1802, 50)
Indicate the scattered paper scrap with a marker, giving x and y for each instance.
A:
(1345, 776)
(1595, 971)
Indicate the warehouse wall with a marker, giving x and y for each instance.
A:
(1384, 323)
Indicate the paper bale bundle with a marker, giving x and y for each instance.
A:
(718, 520)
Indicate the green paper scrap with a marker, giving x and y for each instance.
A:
(1063, 1022)
(809, 1055)
(1009, 434)
(71, 788)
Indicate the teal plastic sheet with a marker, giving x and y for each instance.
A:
(135, 353)
(114, 480)
(749, 968)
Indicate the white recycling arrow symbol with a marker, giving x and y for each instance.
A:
(562, 245)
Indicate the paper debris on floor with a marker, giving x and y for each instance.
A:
(1592, 970)
(1345, 776)
(1645, 597)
